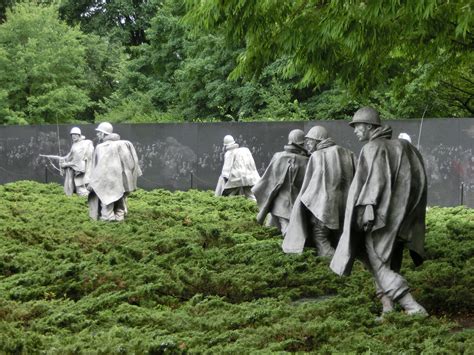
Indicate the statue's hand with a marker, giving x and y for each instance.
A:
(368, 218)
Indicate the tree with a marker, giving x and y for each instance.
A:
(184, 76)
(4, 5)
(374, 49)
(125, 21)
(104, 61)
(43, 67)
(52, 72)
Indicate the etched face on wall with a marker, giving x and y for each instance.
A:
(362, 131)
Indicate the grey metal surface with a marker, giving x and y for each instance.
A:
(181, 156)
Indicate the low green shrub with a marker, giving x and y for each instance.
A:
(189, 272)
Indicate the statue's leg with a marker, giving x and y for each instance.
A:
(233, 191)
(387, 302)
(68, 181)
(283, 224)
(272, 221)
(397, 256)
(107, 212)
(120, 209)
(82, 190)
(320, 234)
(392, 284)
(94, 206)
(79, 186)
(247, 191)
(411, 306)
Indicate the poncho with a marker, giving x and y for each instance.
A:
(390, 175)
(238, 170)
(324, 192)
(279, 186)
(80, 157)
(114, 169)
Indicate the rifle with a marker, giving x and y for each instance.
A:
(56, 157)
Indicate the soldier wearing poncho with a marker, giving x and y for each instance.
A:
(317, 216)
(239, 172)
(280, 184)
(113, 175)
(76, 164)
(385, 211)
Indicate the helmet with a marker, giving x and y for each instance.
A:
(296, 136)
(317, 132)
(366, 115)
(75, 130)
(228, 140)
(105, 127)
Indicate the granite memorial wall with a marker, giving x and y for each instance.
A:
(189, 155)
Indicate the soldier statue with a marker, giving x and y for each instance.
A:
(385, 211)
(75, 166)
(239, 173)
(318, 214)
(113, 175)
(279, 186)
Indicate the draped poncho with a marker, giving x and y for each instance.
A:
(390, 175)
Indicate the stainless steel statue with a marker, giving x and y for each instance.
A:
(239, 173)
(318, 213)
(385, 211)
(75, 167)
(279, 186)
(114, 174)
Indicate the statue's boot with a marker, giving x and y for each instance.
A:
(323, 245)
(412, 307)
(320, 235)
(387, 307)
(387, 304)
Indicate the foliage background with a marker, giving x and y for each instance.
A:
(187, 60)
(191, 272)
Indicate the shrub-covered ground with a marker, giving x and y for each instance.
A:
(188, 272)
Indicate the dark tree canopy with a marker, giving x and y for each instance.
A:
(193, 60)
(360, 42)
(122, 20)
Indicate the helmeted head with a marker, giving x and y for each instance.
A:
(75, 134)
(75, 130)
(228, 139)
(296, 136)
(229, 142)
(315, 135)
(364, 121)
(318, 133)
(366, 115)
(105, 127)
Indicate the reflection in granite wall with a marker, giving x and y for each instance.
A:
(183, 156)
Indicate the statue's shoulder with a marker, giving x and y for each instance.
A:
(243, 149)
(86, 142)
(279, 155)
(345, 150)
(375, 145)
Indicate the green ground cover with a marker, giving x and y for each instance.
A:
(188, 272)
